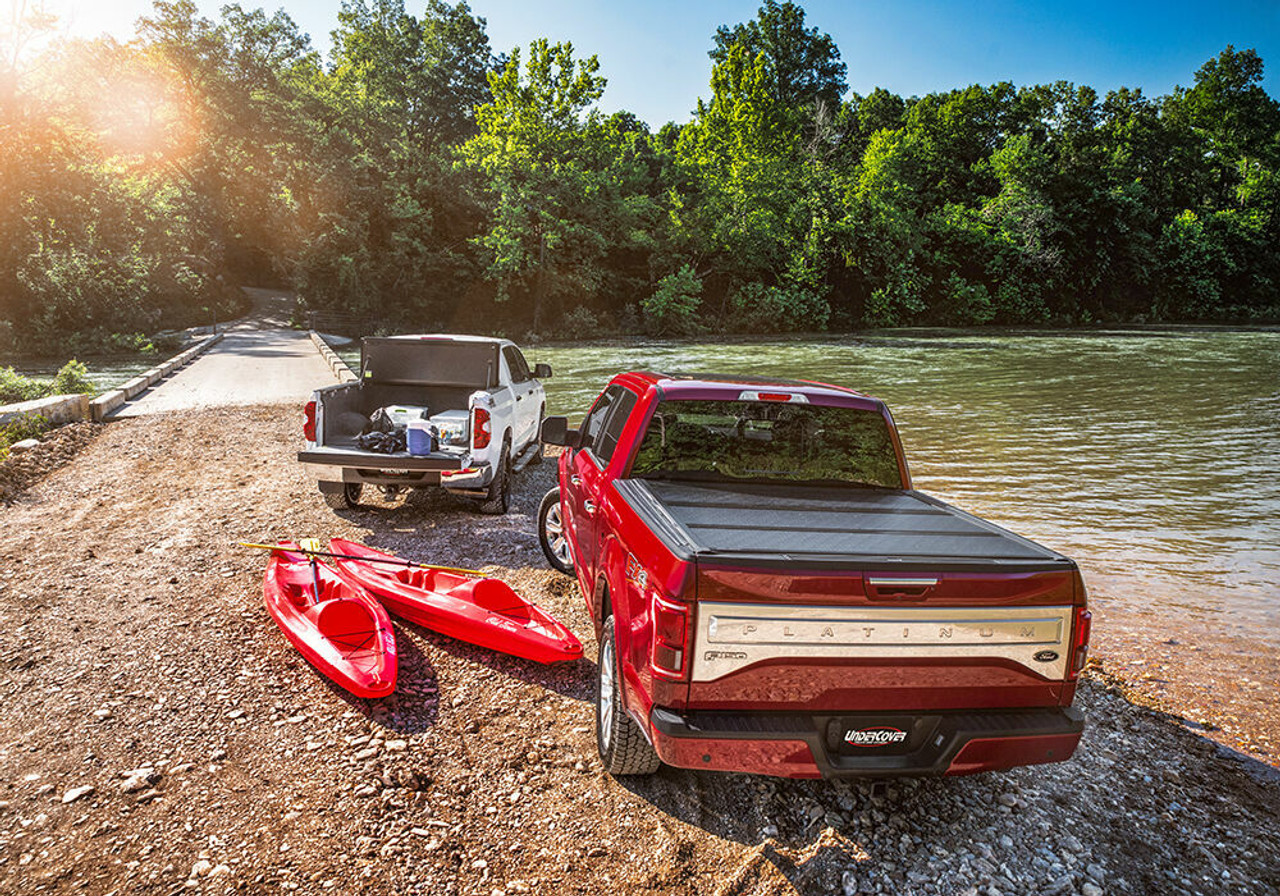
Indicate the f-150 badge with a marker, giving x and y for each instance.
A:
(636, 573)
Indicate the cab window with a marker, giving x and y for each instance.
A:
(614, 422)
(516, 364)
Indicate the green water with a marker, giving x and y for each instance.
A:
(104, 372)
(1153, 459)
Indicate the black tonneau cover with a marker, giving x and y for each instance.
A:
(429, 361)
(780, 525)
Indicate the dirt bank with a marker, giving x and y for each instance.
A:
(159, 733)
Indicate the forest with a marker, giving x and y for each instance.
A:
(420, 178)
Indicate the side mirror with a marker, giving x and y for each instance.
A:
(541, 371)
(556, 431)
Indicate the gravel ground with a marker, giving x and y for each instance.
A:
(160, 735)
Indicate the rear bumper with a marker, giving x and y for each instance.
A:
(794, 745)
(395, 469)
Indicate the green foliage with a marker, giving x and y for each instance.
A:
(581, 323)
(415, 179)
(757, 308)
(28, 426)
(14, 387)
(673, 309)
(73, 379)
(804, 65)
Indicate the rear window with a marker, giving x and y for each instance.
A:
(769, 441)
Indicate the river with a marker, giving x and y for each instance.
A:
(1151, 458)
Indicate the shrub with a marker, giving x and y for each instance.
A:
(629, 321)
(778, 309)
(15, 387)
(581, 323)
(73, 379)
(30, 426)
(673, 308)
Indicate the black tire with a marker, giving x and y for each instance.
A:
(346, 497)
(555, 544)
(499, 497)
(623, 749)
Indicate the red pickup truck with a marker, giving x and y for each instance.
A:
(770, 595)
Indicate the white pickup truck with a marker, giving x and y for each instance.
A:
(477, 394)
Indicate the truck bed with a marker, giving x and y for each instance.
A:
(781, 525)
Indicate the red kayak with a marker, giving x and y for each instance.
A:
(337, 626)
(479, 610)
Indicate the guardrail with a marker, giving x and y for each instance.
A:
(54, 409)
(336, 364)
(72, 408)
(341, 322)
(104, 404)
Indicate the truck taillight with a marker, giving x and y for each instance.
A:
(1080, 642)
(481, 432)
(309, 424)
(670, 629)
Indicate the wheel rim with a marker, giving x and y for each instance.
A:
(606, 694)
(553, 527)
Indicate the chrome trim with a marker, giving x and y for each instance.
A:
(910, 583)
(731, 636)
(481, 475)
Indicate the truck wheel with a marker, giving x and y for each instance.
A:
(551, 535)
(622, 746)
(499, 497)
(344, 497)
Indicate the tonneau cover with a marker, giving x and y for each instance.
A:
(779, 525)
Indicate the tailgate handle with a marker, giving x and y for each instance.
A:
(890, 588)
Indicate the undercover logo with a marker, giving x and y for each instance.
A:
(877, 736)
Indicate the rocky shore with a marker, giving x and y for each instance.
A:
(160, 736)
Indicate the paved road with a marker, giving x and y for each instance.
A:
(259, 361)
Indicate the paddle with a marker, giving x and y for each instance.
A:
(393, 561)
(309, 545)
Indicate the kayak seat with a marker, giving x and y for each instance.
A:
(496, 596)
(298, 584)
(348, 624)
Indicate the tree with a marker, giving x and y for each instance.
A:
(553, 206)
(803, 65)
(423, 76)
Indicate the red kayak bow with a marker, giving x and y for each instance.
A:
(336, 625)
(483, 611)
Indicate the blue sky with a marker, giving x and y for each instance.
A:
(655, 53)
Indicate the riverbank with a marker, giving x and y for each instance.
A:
(159, 730)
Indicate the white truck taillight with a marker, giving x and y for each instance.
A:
(309, 424)
(670, 638)
(481, 428)
(1080, 642)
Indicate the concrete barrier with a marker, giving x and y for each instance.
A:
(54, 409)
(104, 404)
(336, 364)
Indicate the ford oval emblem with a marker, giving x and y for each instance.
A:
(1046, 656)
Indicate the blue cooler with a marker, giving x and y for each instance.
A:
(421, 437)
